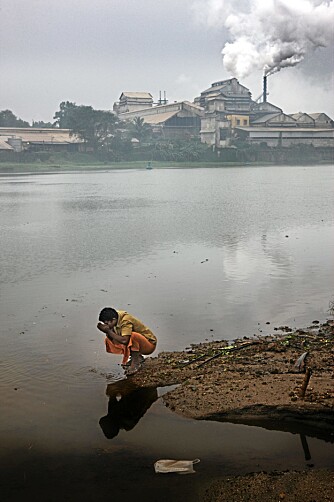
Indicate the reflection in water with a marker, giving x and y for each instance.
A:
(306, 449)
(127, 405)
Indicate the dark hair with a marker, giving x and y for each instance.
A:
(108, 314)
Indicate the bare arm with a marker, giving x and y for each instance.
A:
(124, 340)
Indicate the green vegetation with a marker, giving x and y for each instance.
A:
(8, 119)
(96, 128)
(112, 140)
(10, 167)
(108, 141)
(40, 124)
(139, 129)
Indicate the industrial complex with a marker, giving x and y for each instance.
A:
(226, 112)
(223, 116)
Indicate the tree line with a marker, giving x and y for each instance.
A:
(103, 133)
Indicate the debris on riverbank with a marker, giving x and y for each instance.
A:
(315, 486)
(275, 381)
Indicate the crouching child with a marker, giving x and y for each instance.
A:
(126, 335)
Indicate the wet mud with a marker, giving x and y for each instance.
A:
(283, 381)
(284, 378)
(315, 486)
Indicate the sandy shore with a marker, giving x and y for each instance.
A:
(251, 380)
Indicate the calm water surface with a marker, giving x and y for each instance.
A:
(197, 254)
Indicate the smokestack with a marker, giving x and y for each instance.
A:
(265, 88)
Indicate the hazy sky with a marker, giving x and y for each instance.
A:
(89, 52)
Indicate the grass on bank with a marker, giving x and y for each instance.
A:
(12, 167)
(37, 167)
(75, 161)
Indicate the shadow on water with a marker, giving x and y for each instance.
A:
(127, 405)
(319, 428)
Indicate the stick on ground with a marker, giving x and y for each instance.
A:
(306, 380)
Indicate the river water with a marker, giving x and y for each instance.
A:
(197, 254)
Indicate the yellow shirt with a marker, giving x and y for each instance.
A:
(126, 324)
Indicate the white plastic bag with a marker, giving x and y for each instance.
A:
(179, 466)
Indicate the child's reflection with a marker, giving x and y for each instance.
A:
(127, 404)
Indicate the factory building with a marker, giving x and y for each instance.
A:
(170, 121)
(230, 114)
(132, 102)
(280, 137)
(226, 104)
(303, 119)
(222, 116)
(233, 97)
(322, 120)
(4, 145)
(34, 139)
(260, 109)
(275, 120)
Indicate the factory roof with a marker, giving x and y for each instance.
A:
(265, 106)
(323, 117)
(163, 109)
(194, 105)
(298, 115)
(40, 135)
(271, 116)
(316, 115)
(160, 117)
(286, 129)
(214, 95)
(265, 118)
(141, 95)
(3, 144)
(217, 86)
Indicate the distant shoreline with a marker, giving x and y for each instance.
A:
(38, 167)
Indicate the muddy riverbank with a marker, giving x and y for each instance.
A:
(313, 486)
(252, 380)
(283, 381)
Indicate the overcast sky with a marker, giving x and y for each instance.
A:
(89, 52)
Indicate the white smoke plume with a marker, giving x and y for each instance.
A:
(270, 34)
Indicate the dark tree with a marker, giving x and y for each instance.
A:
(64, 117)
(139, 129)
(105, 125)
(41, 124)
(8, 119)
(95, 127)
